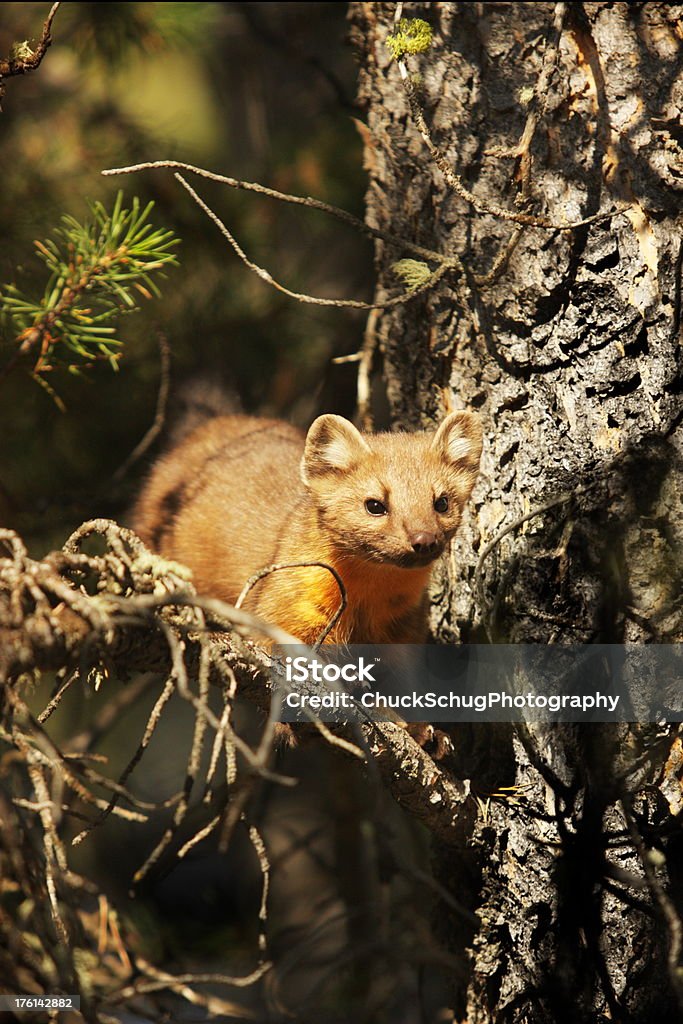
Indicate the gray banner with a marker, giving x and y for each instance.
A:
(39, 1003)
(482, 683)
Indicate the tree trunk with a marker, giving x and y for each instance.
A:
(567, 343)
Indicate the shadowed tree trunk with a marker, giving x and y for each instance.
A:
(568, 344)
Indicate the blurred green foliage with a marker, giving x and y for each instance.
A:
(262, 92)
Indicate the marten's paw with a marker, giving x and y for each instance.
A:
(435, 742)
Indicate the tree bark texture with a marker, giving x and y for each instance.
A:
(570, 351)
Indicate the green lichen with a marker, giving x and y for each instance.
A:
(20, 51)
(413, 273)
(413, 35)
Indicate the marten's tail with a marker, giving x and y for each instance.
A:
(197, 400)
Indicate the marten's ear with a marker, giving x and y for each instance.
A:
(333, 445)
(458, 441)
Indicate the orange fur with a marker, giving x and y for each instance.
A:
(378, 599)
(242, 493)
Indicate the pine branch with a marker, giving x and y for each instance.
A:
(98, 270)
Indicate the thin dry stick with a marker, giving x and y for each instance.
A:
(198, 836)
(225, 738)
(229, 692)
(300, 296)
(203, 716)
(364, 359)
(180, 984)
(150, 728)
(55, 701)
(284, 197)
(219, 743)
(160, 412)
(219, 611)
(59, 765)
(101, 780)
(66, 809)
(241, 621)
(235, 812)
(337, 741)
(501, 260)
(201, 706)
(160, 980)
(539, 99)
(539, 102)
(560, 499)
(199, 731)
(179, 680)
(117, 537)
(233, 741)
(110, 713)
(64, 765)
(363, 384)
(20, 65)
(199, 728)
(53, 850)
(253, 580)
(260, 850)
(522, 151)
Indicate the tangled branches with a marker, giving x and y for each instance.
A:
(105, 610)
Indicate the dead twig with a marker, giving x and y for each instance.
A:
(160, 413)
(314, 204)
(132, 593)
(266, 276)
(24, 59)
(262, 573)
(364, 358)
(560, 499)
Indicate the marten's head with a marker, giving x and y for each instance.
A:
(395, 498)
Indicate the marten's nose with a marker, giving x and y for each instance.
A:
(423, 543)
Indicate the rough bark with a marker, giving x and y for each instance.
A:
(572, 356)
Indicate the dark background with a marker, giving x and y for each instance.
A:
(262, 92)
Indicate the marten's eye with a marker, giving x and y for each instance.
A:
(375, 508)
(441, 504)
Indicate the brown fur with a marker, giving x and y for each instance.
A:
(242, 493)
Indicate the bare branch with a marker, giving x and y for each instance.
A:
(26, 59)
(130, 626)
(314, 204)
(160, 413)
(266, 276)
(253, 580)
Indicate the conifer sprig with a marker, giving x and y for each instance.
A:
(98, 270)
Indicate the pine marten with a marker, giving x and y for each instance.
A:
(241, 493)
